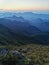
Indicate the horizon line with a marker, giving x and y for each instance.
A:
(26, 10)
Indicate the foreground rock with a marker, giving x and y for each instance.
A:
(16, 53)
(4, 52)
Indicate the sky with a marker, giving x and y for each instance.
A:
(24, 4)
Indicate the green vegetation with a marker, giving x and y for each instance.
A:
(34, 55)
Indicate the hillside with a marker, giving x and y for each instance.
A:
(8, 36)
(32, 54)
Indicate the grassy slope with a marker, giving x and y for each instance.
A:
(39, 54)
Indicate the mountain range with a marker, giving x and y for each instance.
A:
(23, 28)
